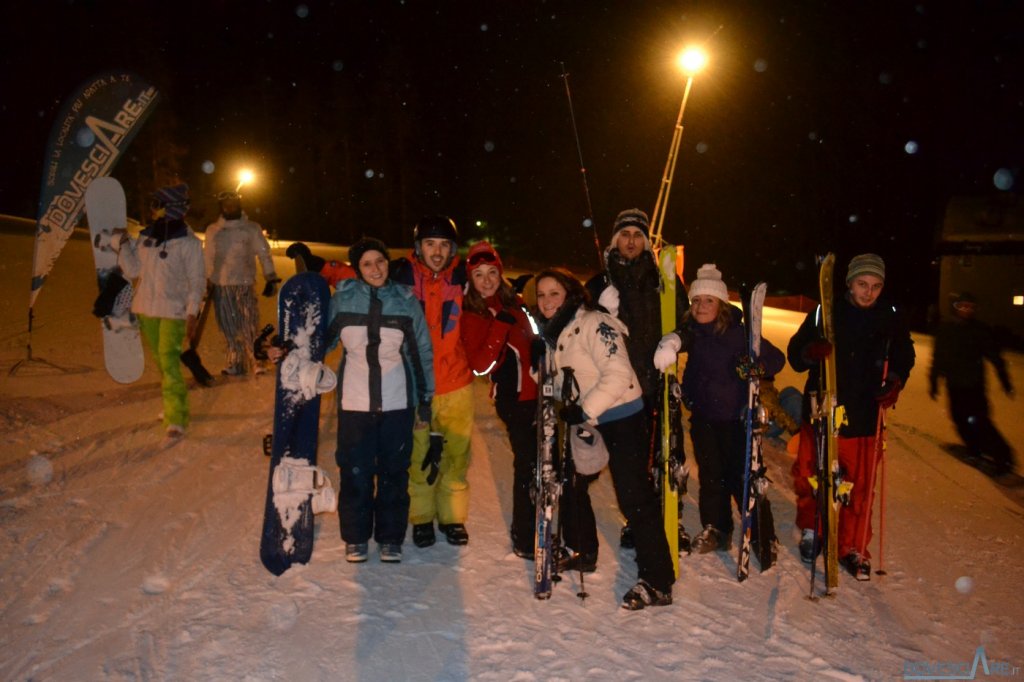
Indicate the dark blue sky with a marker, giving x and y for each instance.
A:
(362, 116)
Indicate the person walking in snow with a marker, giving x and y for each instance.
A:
(869, 330)
(630, 289)
(590, 343)
(440, 454)
(498, 334)
(962, 345)
(233, 245)
(167, 259)
(386, 382)
(715, 384)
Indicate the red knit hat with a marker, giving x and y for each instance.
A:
(482, 253)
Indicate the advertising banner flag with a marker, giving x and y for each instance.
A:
(91, 132)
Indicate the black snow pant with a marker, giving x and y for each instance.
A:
(969, 408)
(520, 418)
(627, 441)
(719, 448)
(374, 446)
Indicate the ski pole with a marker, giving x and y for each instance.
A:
(881, 504)
(588, 220)
(877, 454)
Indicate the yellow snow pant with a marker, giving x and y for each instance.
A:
(447, 499)
(165, 337)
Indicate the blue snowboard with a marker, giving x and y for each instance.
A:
(302, 320)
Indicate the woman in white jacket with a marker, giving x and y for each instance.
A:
(167, 259)
(591, 344)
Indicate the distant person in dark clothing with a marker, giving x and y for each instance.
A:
(962, 345)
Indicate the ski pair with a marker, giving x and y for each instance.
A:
(756, 509)
(827, 415)
(550, 476)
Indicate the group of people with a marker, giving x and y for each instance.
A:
(415, 330)
(178, 274)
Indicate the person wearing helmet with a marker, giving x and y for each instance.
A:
(233, 245)
(437, 477)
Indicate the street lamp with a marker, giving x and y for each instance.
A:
(690, 61)
(245, 176)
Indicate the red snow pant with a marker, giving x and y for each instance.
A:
(855, 458)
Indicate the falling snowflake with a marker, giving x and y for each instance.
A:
(208, 167)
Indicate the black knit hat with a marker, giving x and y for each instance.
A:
(357, 250)
(632, 217)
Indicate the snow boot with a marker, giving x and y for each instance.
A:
(390, 553)
(454, 533)
(857, 565)
(685, 544)
(423, 534)
(710, 540)
(585, 562)
(810, 546)
(356, 552)
(643, 594)
(626, 540)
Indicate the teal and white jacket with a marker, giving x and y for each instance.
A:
(387, 362)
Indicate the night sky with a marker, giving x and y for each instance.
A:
(817, 126)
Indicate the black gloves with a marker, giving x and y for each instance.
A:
(423, 413)
(433, 457)
(271, 287)
(572, 415)
(506, 317)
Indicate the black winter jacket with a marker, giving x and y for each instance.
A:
(862, 336)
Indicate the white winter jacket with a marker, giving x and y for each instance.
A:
(231, 250)
(171, 286)
(593, 345)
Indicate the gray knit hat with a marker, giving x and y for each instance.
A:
(865, 264)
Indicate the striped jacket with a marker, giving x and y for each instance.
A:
(388, 361)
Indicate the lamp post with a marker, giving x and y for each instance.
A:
(245, 176)
(690, 61)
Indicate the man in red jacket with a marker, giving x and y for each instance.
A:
(440, 456)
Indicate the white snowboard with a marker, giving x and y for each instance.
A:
(122, 344)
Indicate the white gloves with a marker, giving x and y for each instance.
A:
(609, 300)
(667, 351)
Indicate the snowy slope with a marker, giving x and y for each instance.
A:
(130, 563)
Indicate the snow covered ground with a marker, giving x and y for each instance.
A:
(121, 562)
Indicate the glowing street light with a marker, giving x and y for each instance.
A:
(690, 61)
(245, 176)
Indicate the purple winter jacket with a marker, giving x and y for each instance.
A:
(712, 389)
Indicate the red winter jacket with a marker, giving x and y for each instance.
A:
(501, 350)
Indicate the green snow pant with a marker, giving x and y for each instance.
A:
(164, 337)
(447, 499)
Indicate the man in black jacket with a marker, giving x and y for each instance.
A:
(630, 289)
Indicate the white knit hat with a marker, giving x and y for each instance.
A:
(709, 283)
